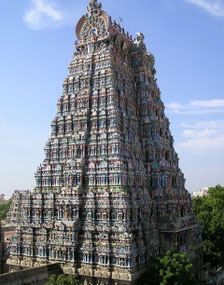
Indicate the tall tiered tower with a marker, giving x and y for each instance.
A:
(109, 195)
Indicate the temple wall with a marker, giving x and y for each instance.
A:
(34, 276)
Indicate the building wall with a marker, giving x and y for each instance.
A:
(34, 276)
(3, 252)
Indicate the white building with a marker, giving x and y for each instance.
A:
(201, 192)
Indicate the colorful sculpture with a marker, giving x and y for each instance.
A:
(109, 195)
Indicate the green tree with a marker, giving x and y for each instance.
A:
(4, 208)
(171, 269)
(210, 213)
(63, 280)
(175, 269)
(52, 280)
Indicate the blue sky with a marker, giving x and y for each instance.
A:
(36, 44)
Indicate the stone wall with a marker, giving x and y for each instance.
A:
(34, 276)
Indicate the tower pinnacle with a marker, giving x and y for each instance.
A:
(93, 4)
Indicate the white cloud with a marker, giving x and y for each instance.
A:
(200, 144)
(188, 133)
(216, 124)
(197, 107)
(175, 106)
(203, 136)
(199, 134)
(204, 176)
(214, 7)
(208, 103)
(42, 13)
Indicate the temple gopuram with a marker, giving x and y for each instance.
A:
(109, 194)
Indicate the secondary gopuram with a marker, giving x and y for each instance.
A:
(109, 194)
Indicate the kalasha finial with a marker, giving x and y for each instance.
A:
(93, 4)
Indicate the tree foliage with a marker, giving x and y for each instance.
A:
(172, 269)
(4, 208)
(175, 268)
(63, 280)
(210, 213)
